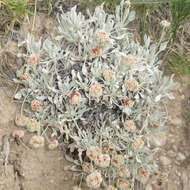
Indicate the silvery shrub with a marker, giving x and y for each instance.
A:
(101, 91)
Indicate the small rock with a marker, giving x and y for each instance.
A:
(165, 160)
(180, 157)
(158, 139)
(182, 97)
(175, 148)
(171, 154)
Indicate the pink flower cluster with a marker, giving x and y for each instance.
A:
(36, 105)
(94, 180)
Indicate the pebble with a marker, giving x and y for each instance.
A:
(180, 157)
(182, 97)
(171, 153)
(175, 148)
(165, 160)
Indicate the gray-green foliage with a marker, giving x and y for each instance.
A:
(68, 64)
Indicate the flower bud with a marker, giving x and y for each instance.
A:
(96, 52)
(128, 60)
(18, 134)
(95, 90)
(94, 180)
(33, 125)
(108, 74)
(132, 85)
(21, 121)
(26, 76)
(118, 160)
(165, 23)
(53, 144)
(129, 125)
(36, 105)
(87, 167)
(102, 37)
(102, 160)
(33, 60)
(138, 144)
(92, 152)
(122, 184)
(37, 141)
(128, 102)
(75, 98)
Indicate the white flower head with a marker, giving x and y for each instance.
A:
(96, 90)
(132, 85)
(93, 151)
(165, 23)
(102, 160)
(128, 61)
(108, 74)
(37, 141)
(128, 3)
(102, 37)
(21, 121)
(87, 167)
(130, 126)
(94, 180)
(118, 160)
(18, 133)
(36, 105)
(53, 144)
(33, 125)
(122, 184)
(138, 144)
(75, 98)
(128, 102)
(26, 76)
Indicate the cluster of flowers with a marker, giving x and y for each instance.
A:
(94, 177)
(32, 125)
(94, 76)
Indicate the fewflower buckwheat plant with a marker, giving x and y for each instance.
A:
(101, 90)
